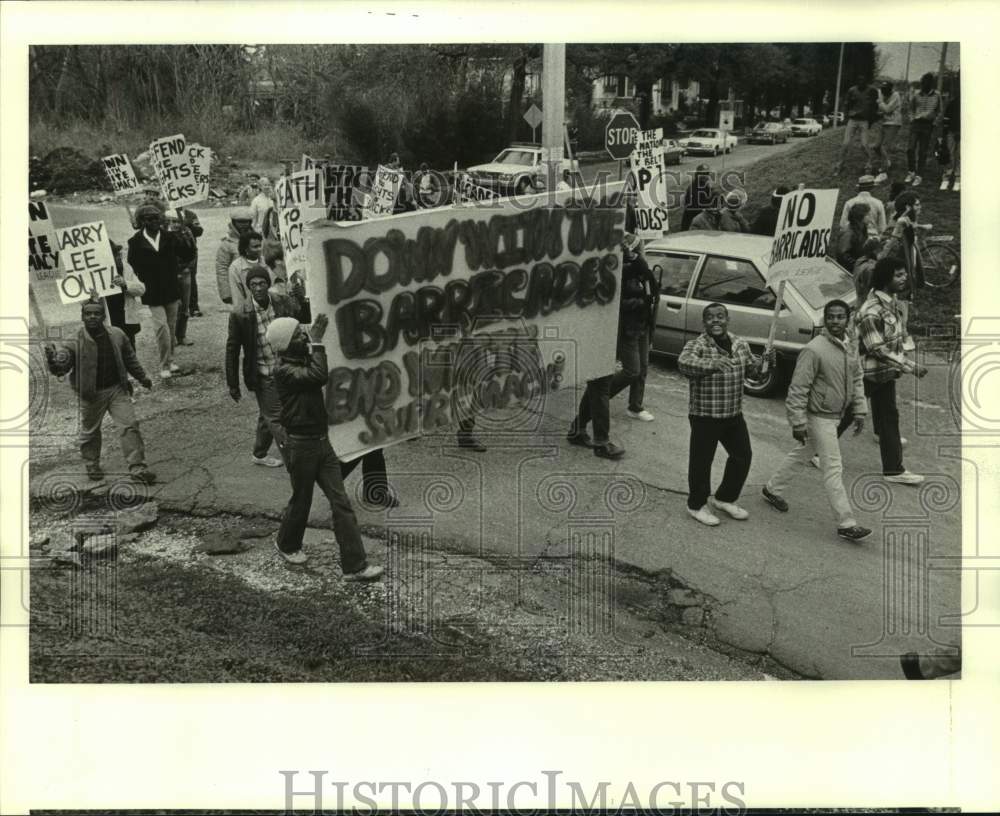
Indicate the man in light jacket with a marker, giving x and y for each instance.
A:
(827, 383)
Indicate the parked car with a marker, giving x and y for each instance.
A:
(805, 127)
(768, 133)
(709, 140)
(515, 169)
(828, 119)
(699, 267)
(672, 151)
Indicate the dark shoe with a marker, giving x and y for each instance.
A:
(910, 664)
(185, 342)
(95, 472)
(369, 573)
(196, 313)
(609, 450)
(382, 497)
(581, 438)
(146, 476)
(776, 502)
(470, 442)
(855, 533)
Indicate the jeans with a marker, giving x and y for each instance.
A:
(890, 133)
(885, 418)
(311, 461)
(193, 300)
(112, 400)
(269, 416)
(594, 406)
(184, 279)
(706, 434)
(823, 435)
(374, 481)
(918, 145)
(165, 326)
(634, 355)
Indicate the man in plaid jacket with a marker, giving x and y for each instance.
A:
(716, 363)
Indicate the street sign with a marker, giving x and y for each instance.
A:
(533, 116)
(726, 120)
(620, 135)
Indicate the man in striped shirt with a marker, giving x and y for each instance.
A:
(881, 332)
(716, 363)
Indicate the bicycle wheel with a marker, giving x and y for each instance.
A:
(941, 265)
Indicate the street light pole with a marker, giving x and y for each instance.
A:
(909, 49)
(836, 96)
(944, 53)
(553, 107)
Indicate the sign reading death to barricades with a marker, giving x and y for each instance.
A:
(802, 236)
(649, 180)
(301, 198)
(443, 314)
(87, 262)
(172, 165)
(382, 198)
(121, 174)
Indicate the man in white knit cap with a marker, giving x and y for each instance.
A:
(300, 374)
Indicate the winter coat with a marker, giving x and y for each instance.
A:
(243, 335)
(158, 269)
(640, 292)
(228, 251)
(827, 381)
(83, 368)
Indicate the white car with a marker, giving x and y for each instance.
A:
(515, 169)
(709, 140)
(805, 127)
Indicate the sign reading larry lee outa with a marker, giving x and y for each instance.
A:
(443, 313)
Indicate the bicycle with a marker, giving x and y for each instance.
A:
(938, 261)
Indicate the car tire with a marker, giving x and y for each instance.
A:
(764, 386)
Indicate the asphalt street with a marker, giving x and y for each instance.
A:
(781, 584)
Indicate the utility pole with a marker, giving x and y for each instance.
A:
(836, 96)
(909, 49)
(553, 108)
(944, 53)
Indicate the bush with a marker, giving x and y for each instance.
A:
(666, 121)
(66, 170)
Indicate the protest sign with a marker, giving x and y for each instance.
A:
(342, 192)
(201, 164)
(300, 198)
(87, 261)
(647, 176)
(43, 254)
(385, 189)
(121, 174)
(467, 192)
(442, 313)
(172, 165)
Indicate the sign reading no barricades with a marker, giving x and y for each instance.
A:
(300, 198)
(802, 235)
(385, 189)
(87, 262)
(172, 165)
(120, 173)
(442, 314)
(648, 178)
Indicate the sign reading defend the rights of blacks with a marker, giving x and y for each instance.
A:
(802, 235)
(172, 164)
(445, 313)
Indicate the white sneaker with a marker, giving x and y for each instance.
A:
(944, 184)
(266, 461)
(909, 177)
(916, 181)
(815, 461)
(642, 415)
(732, 509)
(703, 516)
(174, 368)
(956, 185)
(906, 478)
(165, 374)
(297, 557)
(370, 573)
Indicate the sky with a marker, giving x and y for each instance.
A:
(924, 57)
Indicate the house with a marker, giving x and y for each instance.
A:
(618, 91)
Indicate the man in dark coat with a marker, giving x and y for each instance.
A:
(698, 196)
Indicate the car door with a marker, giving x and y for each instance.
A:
(674, 270)
(740, 287)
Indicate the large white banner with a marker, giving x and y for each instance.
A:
(649, 180)
(802, 235)
(442, 314)
(300, 198)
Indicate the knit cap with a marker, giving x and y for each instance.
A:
(280, 332)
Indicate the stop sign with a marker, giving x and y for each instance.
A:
(620, 135)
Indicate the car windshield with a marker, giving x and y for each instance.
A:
(704, 134)
(833, 282)
(768, 126)
(516, 157)
(800, 121)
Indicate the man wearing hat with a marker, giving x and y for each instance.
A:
(240, 221)
(875, 219)
(156, 256)
(698, 196)
(732, 219)
(300, 375)
(767, 219)
(98, 364)
(248, 332)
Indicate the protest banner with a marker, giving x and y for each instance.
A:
(342, 196)
(647, 176)
(442, 313)
(300, 198)
(470, 193)
(43, 254)
(801, 242)
(121, 174)
(385, 189)
(87, 262)
(200, 158)
(173, 168)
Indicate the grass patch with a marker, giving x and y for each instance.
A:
(812, 162)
